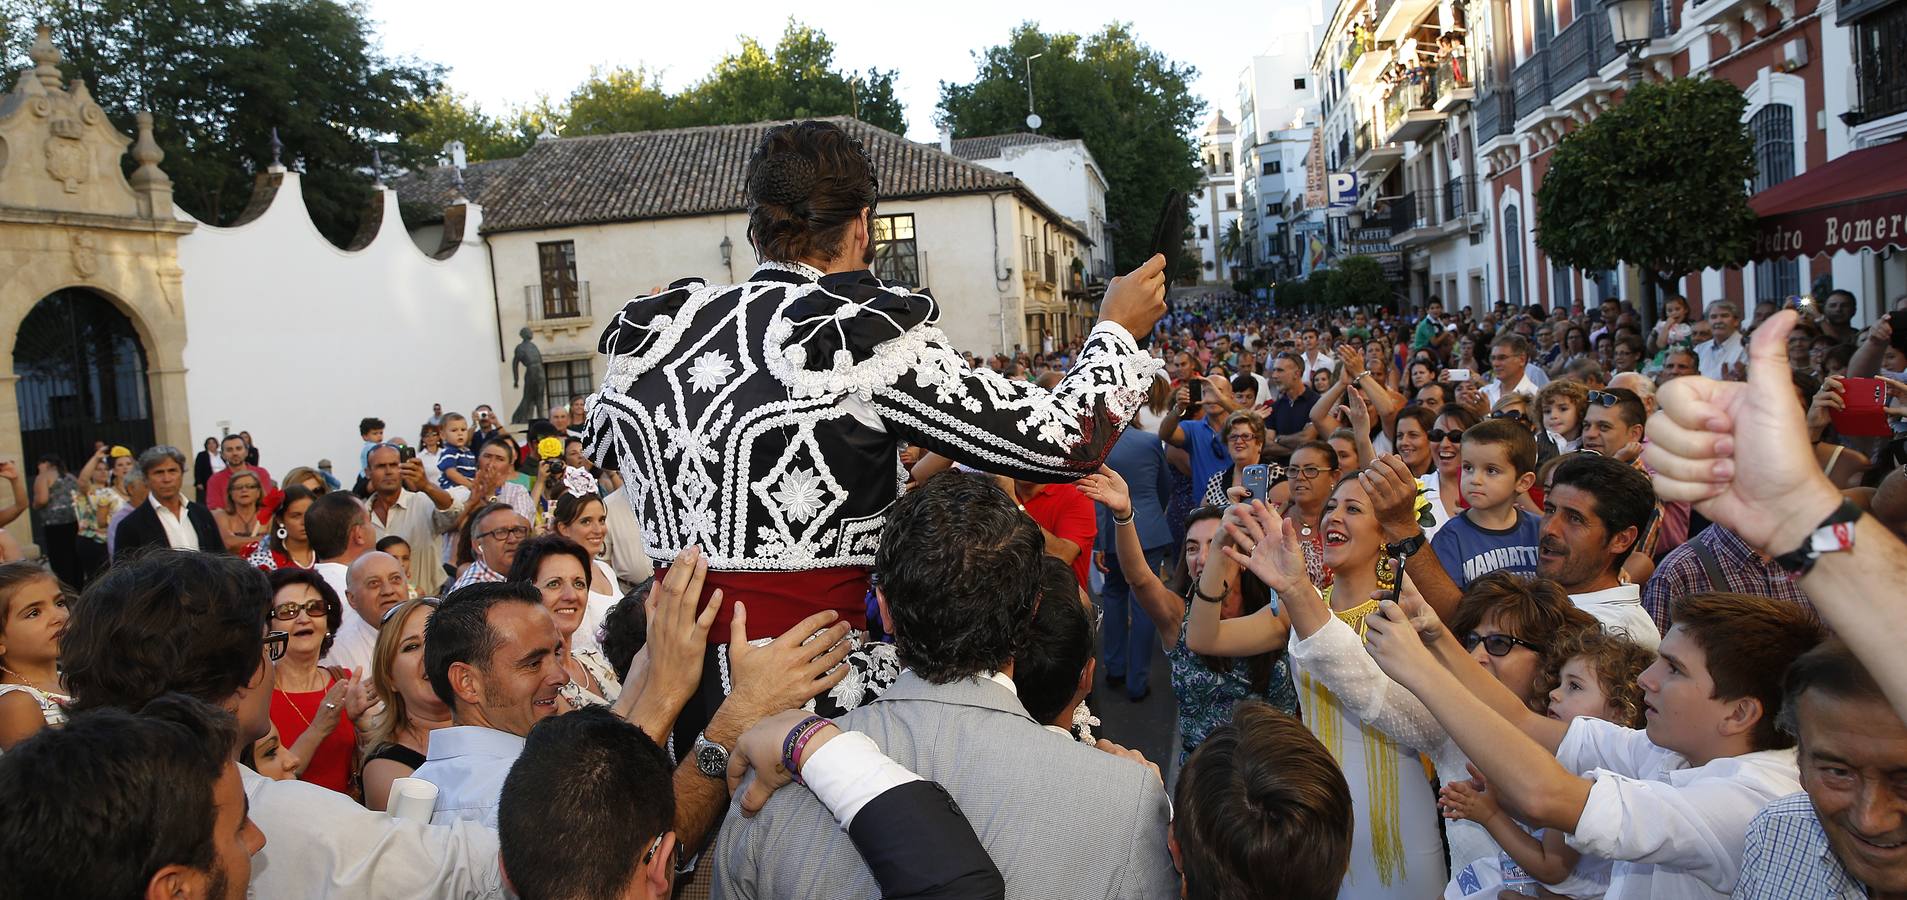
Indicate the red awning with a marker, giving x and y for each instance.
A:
(1856, 202)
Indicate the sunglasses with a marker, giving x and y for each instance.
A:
(275, 644)
(285, 612)
(1498, 645)
(1514, 415)
(421, 601)
(1437, 435)
(1604, 399)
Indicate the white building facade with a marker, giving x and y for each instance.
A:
(1064, 174)
(1276, 101)
(1215, 211)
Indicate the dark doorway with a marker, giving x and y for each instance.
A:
(82, 374)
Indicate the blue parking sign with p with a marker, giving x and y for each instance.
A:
(1341, 190)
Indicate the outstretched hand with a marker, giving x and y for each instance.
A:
(1267, 544)
(1739, 450)
(1106, 488)
(1393, 640)
(1136, 300)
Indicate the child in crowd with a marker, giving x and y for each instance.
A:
(1494, 534)
(400, 550)
(1593, 674)
(1054, 672)
(456, 462)
(33, 617)
(1563, 403)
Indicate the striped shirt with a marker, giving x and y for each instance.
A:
(1788, 856)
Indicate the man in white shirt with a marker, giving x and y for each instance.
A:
(1509, 363)
(1596, 511)
(375, 584)
(1669, 805)
(493, 655)
(339, 530)
(1315, 356)
(199, 617)
(1721, 356)
(406, 502)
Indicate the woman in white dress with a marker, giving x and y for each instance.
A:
(581, 516)
(1396, 852)
(559, 568)
(33, 618)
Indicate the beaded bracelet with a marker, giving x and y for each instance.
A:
(797, 741)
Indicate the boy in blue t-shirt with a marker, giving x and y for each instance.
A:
(456, 463)
(1493, 535)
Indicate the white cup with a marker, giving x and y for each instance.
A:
(412, 799)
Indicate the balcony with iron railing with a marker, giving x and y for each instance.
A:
(1410, 110)
(557, 307)
(1375, 158)
(1879, 77)
(1453, 82)
(1530, 82)
(1495, 112)
(1460, 197)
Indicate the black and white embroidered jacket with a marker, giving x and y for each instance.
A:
(760, 420)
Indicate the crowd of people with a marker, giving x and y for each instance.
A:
(807, 603)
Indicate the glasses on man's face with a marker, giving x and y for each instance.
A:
(1498, 645)
(1603, 399)
(507, 534)
(1438, 435)
(275, 644)
(285, 612)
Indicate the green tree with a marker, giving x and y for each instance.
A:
(797, 80)
(219, 75)
(1658, 181)
(1131, 105)
(1357, 280)
(449, 116)
(616, 100)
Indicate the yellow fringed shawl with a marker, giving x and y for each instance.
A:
(1324, 716)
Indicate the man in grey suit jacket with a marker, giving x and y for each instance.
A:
(958, 575)
(1127, 633)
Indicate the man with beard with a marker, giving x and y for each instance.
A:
(1595, 512)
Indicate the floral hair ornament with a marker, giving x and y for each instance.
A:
(549, 448)
(269, 506)
(578, 482)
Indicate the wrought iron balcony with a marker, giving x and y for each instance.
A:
(1531, 83)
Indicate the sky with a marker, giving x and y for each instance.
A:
(500, 55)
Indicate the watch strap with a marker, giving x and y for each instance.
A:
(1407, 547)
(1835, 534)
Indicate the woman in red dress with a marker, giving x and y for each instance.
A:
(314, 706)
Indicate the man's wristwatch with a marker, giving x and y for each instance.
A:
(711, 758)
(1834, 535)
(1407, 547)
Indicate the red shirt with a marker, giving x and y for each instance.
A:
(293, 712)
(1067, 513)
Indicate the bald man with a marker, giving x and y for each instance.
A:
(375, 583)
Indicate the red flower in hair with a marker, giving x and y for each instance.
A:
(269, 506)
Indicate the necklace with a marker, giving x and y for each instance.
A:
(310, 553)
(22, 679)
(294, 704)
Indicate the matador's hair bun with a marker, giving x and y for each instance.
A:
(807, 182)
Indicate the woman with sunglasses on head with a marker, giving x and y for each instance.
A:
(315, 707)
(581, 516)
(1396, 852)
(1446, 450)
(398, 740)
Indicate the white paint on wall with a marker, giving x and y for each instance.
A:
(295, 340)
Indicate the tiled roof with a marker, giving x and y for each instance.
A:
(994, 146)
(693, 171)
(430, 190)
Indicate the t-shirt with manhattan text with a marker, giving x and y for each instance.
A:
(1469, 551)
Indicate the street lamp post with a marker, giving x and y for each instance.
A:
(1032, 118)
(1629, 22)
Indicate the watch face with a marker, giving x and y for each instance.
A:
(712, 760)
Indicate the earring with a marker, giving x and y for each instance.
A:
(1386, 573)
(281, 532)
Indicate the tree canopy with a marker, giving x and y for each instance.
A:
(1131, 105)
(219, 75)
(1658, 181)
(1357, 281)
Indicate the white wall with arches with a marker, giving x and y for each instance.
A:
(295, 340)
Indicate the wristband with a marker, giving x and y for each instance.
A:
(788, 744)
(1835, 534)
(1121, 523)
(1199, 592)
(797, 741)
